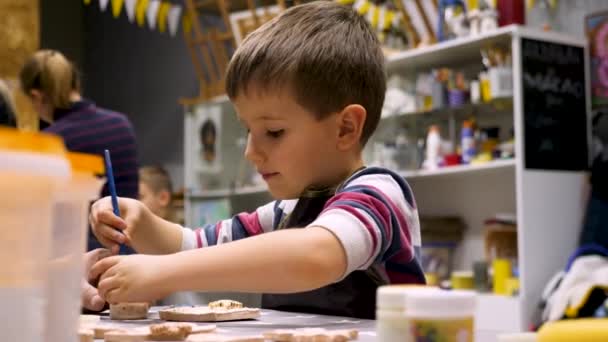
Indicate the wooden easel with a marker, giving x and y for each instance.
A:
(208, 50)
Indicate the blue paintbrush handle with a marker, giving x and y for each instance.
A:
(111, 185)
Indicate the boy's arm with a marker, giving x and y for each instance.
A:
(290, 260)
(138, 227)
(285, 261)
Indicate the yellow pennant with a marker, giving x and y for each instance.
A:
(163, 12)
(362, 6)
(388, 20)
(374, 15)
(117, 7)
(87, 2)
(345, 2)
(140, 12)
(186, 24)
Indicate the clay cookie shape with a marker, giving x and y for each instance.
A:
(207, 314)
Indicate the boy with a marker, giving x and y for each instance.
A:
(155, 191)
(309, 87)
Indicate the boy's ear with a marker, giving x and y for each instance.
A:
(164, 197)
(350, 126)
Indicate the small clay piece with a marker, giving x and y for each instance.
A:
(170, 331)
(224, 338)
(85, 335)
(311, 335)
(125, 336)
(128, 311)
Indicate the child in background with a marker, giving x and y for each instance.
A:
(155, 191)
(309, 87)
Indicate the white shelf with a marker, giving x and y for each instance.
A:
(247, 190)
(460, 169)
(496, 104)
(449, 52)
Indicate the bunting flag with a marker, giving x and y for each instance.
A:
(87, 2)
(163, 12)
(373, 15)
(362, 6)
(130, 9)
(173, 18)
(117, 7)
(103, 4)
(152, 13)
(140, 12)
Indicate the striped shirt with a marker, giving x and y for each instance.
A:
(87, 128)
(373, 214)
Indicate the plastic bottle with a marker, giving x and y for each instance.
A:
(467, 141)
(433, 149)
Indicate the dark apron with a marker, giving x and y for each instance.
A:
(353, 296)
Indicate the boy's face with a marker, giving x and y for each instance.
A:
(156, 202)
(287, 144)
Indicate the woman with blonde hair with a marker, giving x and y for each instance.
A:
(52, 83)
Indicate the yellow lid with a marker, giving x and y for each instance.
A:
(84, 162)
(14, 140)
(579, 330)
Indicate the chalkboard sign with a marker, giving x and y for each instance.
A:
(555, 112)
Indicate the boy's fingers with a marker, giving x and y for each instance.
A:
(109, 233)
(114, 296)
(107, 217)
(90, 297)
(106, 285)
(102, 266)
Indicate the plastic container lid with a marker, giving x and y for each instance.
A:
(440, 304)
(18, 141)
(392, 297)
(86, 163)
(33, 153)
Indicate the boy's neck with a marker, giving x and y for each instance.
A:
(340, 177)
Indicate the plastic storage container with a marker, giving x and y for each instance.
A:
(33, 167)
(68, 243)
(445, 316)
(391, 321)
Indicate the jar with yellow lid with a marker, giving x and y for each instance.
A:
(441, 316)
(68, 243)
(391, 321)
(33, 170)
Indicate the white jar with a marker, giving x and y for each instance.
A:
(445, 316)
(391, 320)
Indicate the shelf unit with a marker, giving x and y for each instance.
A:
(548, 202)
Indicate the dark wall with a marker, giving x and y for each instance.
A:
(142, 73)
(62, 28)
(127, 68)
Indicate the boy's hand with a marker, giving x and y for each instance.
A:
(89, 296)
(132, 278)
(111, 230)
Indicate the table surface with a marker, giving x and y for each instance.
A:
(270, 320)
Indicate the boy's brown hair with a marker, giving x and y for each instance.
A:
(156, 178)
(323, 52)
